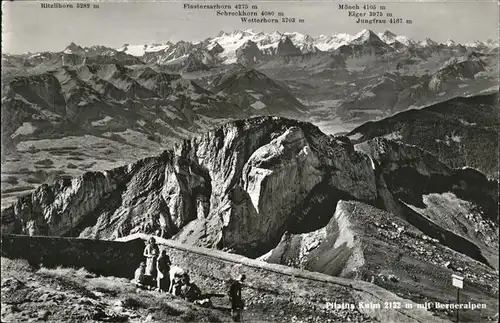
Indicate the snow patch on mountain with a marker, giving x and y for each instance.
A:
(390, 38)
(449, 43)
(258, 105)
(362, 37)
(102, 122)
(428, 43)
(356, 136)
(140, 50)
(25, 129)
(332, 42)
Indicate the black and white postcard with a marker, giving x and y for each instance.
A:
(250, 161)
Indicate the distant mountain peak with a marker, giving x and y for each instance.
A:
(287, 47)
(365, 36)
(234, 47)
(389, 33)
(387, 36)
(449, 43)
(73, 49)
(427, 42)
(365, 33)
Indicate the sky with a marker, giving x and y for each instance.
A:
(26, 27)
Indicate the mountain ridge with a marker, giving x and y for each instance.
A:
(457, 131)
(223, 47)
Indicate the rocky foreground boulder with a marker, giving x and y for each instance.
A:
(243, 185)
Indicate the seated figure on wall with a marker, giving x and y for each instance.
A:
(176, 287)
(189, 291)
(139, 277)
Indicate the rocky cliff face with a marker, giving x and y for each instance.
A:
(427, 222)
(455, 207)
(240, 187)
(244, 184)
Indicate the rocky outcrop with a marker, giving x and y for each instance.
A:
(249, 54)
(59, 208)
(377, 211)
(362, 242)
(340, 248)
(456, 68)
(416, 186)
(240, 187)
(245, 184)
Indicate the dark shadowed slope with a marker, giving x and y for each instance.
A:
(460, 132)
(259, 94)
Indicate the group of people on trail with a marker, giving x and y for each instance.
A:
(155, 268)
(158, 273)
(155, 271)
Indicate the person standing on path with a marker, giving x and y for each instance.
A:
(163, 275)
(235, 298)
(151, 253)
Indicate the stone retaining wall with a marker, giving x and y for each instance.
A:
(121, 258)
(108, 258)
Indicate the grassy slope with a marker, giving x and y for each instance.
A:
(70, 295)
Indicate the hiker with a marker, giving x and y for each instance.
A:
(139, 275)
(189, 291)
(151, 253)
(175, 274)
(163, 275)
(235, 297)
(176, 285)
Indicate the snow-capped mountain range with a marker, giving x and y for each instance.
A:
(229, 42)
(247, 48)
